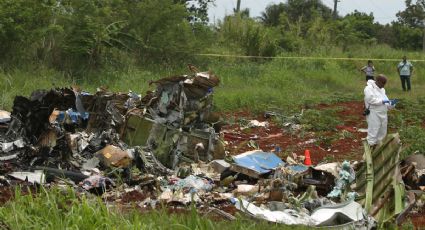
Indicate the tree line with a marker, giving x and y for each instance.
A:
(79, 35)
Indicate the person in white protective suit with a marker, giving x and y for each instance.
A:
(378, 104)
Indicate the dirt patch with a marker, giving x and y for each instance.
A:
(133, 196)
(343, 143)
(6, 194)
(418, 221)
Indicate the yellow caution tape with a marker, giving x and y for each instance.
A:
(308, 58)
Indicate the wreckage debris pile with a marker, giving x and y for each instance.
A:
(165, 148)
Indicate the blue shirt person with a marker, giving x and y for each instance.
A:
(405, 70)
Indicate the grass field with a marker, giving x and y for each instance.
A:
(286, 84)
(64, 209)
(283, 83)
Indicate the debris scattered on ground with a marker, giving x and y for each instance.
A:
(167, 148)
(4, 116)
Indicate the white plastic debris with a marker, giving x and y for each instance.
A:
(9, 157)
(36, 177)
(9, 146)
(336, 214)
(4, 116)
(256, 123)
(332, 168)
(287, 216)
(349, 213)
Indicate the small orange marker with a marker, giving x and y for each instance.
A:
(307, 160)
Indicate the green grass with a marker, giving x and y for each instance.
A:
(285, 84)
(321, 120)
(64, 209)
(256, 85)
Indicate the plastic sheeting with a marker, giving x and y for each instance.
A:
(287, 216)
(349, 213)
(259, 161)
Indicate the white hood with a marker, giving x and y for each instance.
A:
(374, 96)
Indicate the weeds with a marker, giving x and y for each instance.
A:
(409, 119)
(286, 84)
(320, 120)
(57, 208)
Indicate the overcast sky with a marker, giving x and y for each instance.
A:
(383, 10)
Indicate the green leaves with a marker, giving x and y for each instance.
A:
(75, 35)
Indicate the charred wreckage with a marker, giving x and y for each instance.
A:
(167, 144)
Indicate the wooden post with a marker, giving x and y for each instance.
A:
(335, 14)
(238, 6)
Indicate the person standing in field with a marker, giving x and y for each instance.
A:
(377, 102)
(369, 70)
(405, 70)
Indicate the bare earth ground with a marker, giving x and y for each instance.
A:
(346, 147)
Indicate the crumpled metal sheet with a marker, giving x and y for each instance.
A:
(7, 147)
(331, 215)
(286, 216)
(255, 163)
(36, 177)
(413, 170)
(332, 168)
(349, 215)
(379, 181)
(33, 113)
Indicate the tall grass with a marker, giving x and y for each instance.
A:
(289, 83)
(245, 84)
(64, 209)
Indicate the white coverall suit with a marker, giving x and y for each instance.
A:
(377, 120)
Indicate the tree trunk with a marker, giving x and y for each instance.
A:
(423, 40)
(335, 9)
(238, 6)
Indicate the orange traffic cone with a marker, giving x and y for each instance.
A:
(307, 160)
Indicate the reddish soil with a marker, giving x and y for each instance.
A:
(133, 196)
(6, 194)
(418, 221)
(347, 146)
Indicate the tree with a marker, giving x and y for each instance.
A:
(302, 12)
(197, 9)
(355, 28)
(271, 16)
(250, 36)
(24, 25)
(414, 16)
(307, 9)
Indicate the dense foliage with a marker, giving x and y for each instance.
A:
(79, 35)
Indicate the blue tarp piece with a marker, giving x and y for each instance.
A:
(261, 162)
(74, 116)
